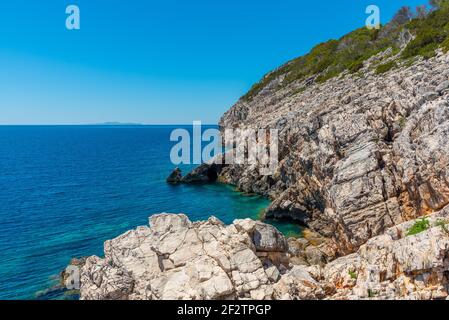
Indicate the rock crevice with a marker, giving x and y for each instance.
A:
(358, 154)
(175, 258)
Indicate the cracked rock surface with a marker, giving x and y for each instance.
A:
(175, 258)
(358, 153)
(362, 157)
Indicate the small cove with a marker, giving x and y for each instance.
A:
(67, 189)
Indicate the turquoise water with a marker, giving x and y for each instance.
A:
(64, 190)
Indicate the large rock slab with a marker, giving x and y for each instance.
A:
(265, 237)
(175, 258)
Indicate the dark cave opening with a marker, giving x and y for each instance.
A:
(212, 174)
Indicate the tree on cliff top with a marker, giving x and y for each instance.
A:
(421, 12)
(331, 58)
(403, 16)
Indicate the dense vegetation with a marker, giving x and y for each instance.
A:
(382, 68)
(420, 225)
(327, 60)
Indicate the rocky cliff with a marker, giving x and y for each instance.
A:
(359, 153)
(362, 139)
(363, 164)
(363, 123)
(362, 158)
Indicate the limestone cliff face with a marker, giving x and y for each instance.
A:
(362, 157)
(358, 154)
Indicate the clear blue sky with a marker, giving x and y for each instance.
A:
(151, 61)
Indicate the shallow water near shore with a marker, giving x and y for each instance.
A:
(64, 190)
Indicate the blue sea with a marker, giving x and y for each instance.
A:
(64, 190)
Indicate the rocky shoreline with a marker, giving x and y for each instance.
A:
(175, 258)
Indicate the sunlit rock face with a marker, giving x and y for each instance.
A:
(175, 258)
(358, 154)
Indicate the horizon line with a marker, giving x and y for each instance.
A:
(105, 124)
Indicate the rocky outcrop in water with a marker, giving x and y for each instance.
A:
(175, 258)
(204, 173)
(175, 177)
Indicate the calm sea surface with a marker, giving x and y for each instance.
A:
(64, 190)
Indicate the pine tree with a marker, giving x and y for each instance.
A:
(403, 16)
(421, 11)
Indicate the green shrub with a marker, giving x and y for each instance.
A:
(355, 66)
(431, 32)
(445, 45)
(353, 275)
(386, 67)
(298, 90)
(331, 58)
(425, 43)
(326, 76)
(419, 226)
